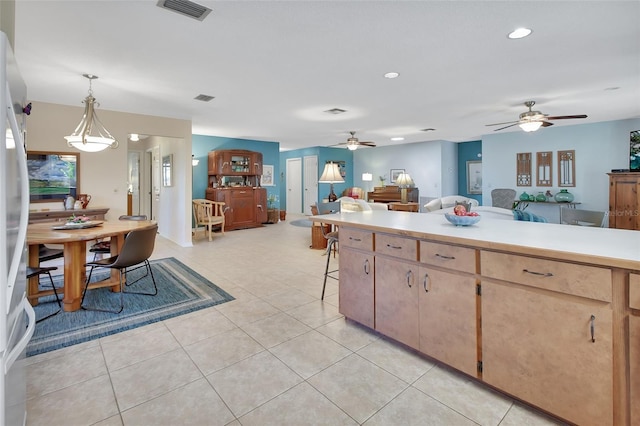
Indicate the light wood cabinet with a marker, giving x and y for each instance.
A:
(396, 300)
(448, 329)
(624, 201)
(634, 363)
(356, 285)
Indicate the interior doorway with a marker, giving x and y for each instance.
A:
(294, 185)
(310, 182)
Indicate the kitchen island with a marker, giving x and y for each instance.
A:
(547, 313)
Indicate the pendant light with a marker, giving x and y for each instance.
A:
(91, 135)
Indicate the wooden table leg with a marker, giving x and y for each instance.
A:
(34, 262)
(74, 274)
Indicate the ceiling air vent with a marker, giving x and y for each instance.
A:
(185, 7)
(203, 98)
(335, 111)
(429, 129)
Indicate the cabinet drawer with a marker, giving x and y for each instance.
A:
(356, 238)
(401, 247)
(461, 259)
(634, 291)
(569, 278)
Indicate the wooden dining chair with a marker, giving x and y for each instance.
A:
(207, 214)
(136, 250)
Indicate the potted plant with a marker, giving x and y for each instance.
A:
(272, 208)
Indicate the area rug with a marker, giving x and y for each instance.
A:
(180, 290)
(305, 223)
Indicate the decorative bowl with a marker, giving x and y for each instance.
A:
(461, 220)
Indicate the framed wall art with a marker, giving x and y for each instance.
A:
(474, 177)
(394, 173)
(53, 175)
(267, 176)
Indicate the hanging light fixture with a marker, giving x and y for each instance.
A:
(530, 126)
(91, 135)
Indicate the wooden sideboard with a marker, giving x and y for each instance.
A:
(555, 327)
(387, 194)
(624, 200)
(97, 213)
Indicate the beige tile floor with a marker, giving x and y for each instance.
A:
(277, 355)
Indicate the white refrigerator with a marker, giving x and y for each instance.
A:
(17, 319)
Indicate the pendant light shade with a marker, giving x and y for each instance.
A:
(530, 126)
(91, 135)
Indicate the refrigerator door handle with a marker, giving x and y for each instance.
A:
(24, 340)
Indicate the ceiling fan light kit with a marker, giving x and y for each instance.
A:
(531, 121)
(353, 143)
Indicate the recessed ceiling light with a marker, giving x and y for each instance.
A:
(519, 33)
(397, 139)
(391, 75)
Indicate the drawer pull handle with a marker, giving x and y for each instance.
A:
(394, 247)
(355, 239)
(409, 276)
(367, 267)
(543, 274)
(424, 282)
(445, 257)
(593, 328)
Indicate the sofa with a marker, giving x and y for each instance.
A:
(449, 202)
(349, 204)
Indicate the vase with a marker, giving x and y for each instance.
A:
(541, 197)
(564, 196)
(524, 197)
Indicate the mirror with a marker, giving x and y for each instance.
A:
(167, 162)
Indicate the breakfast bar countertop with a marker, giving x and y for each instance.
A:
(600, 246)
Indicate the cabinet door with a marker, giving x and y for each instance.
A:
(260, 200)
(537, 346)
(243, 208)
(256, 162)
(624, 202)
(634, 362)
(213, 163)
(396, 299)
(448, 330)
(356, 286)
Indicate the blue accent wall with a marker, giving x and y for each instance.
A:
(467, 151)
(323, 154)
(201, 145)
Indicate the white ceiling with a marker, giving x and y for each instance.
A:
(275, 66)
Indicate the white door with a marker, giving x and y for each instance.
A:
(294, 185)
(155, 180)
(134, 181)
(310, 182)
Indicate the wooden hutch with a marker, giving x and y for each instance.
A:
(624, 201)
(234, 177)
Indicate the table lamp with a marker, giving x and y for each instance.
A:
(404, 181)
(331, 174)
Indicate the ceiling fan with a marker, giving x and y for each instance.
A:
(353, 143)
(531, 121)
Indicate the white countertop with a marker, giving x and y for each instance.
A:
(610, 247)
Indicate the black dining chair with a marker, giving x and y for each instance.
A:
(104, 247)
(33, 272)
(136, 250)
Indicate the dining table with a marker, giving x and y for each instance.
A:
(74, 238)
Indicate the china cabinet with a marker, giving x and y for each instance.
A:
(624, 202)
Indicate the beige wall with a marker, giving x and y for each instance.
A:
(7, 20)
(104, 174)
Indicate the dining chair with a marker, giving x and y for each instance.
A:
(47, 253)
(332, 238)
(207, 213)
(104, 246)
(580, 217)
(33, 272)
(136, 250)
(503, 197)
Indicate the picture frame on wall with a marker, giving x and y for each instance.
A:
(634, 151)
(474, 177)
(394, 173)
(53, 175)
(267, 175)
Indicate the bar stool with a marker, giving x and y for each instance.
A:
(36, 272)
(332, 240)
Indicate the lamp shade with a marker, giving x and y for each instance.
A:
(331, 174)
(367, 177)
(404, 180)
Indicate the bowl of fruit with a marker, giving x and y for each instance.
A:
(462, 217)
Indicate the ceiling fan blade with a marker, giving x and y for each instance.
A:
(372, 144)
(564, 117)
(506, 127)
(546, 124)
(499, 124)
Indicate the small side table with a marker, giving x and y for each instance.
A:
(318, 241)
(404, 207)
